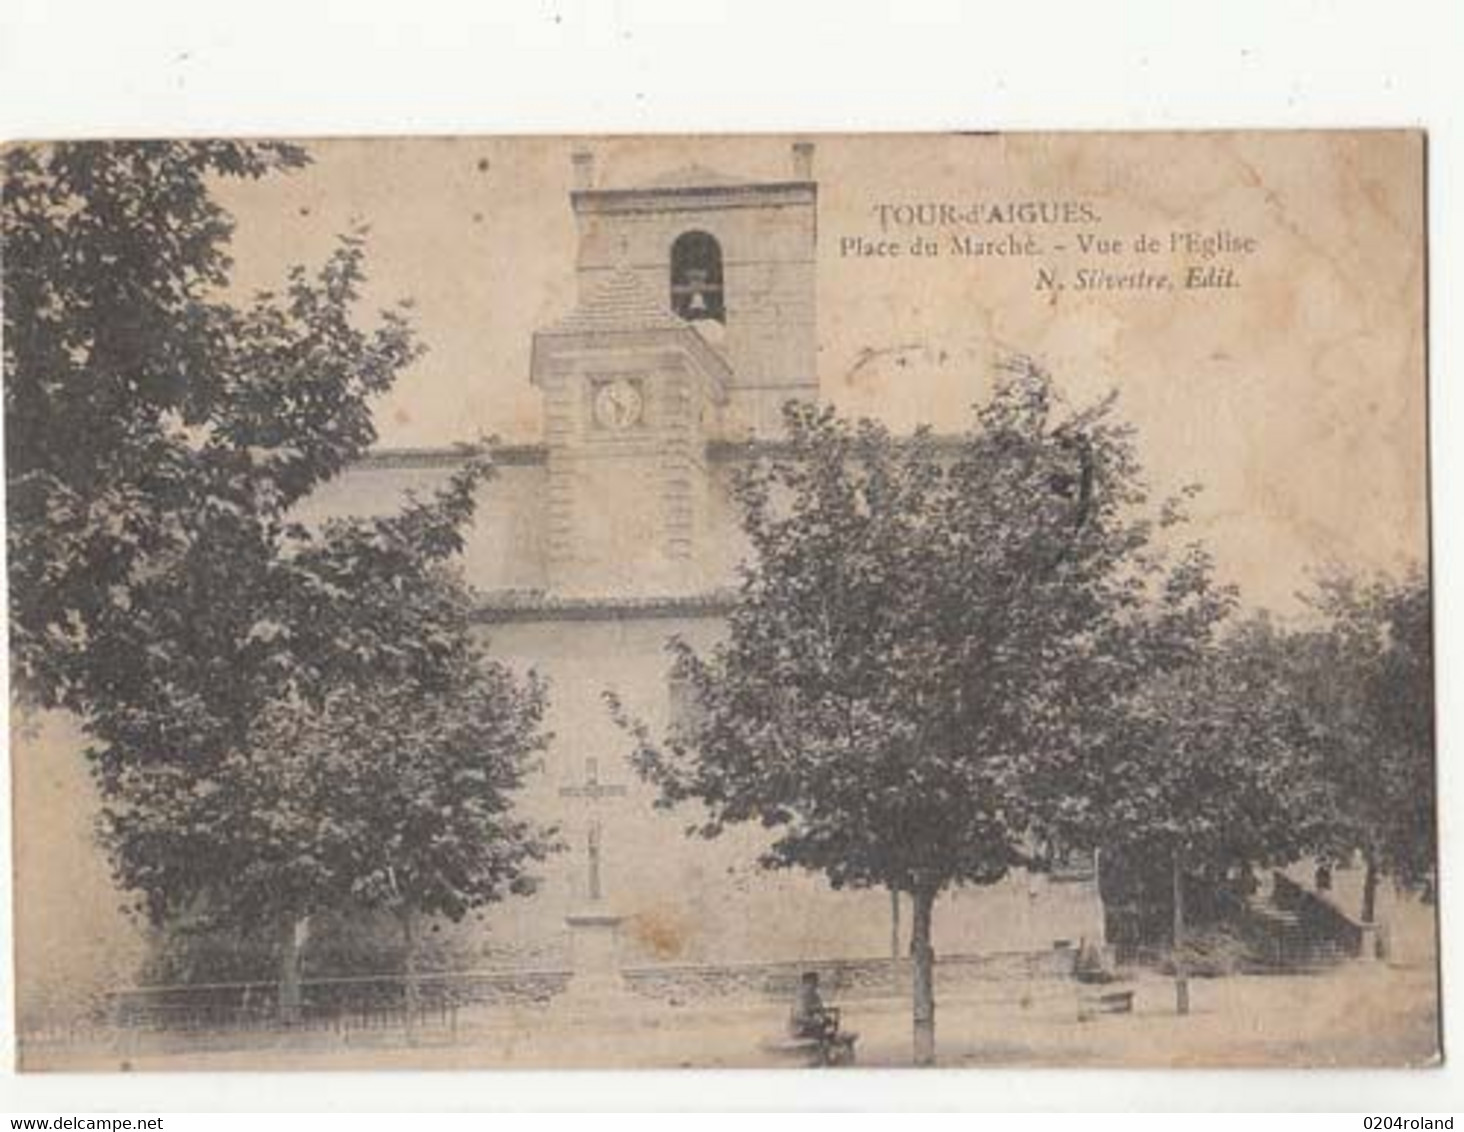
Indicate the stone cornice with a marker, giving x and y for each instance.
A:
(519, 606)
(694, 196)
(593, 342)
(502, 455)
(732, 451)
(518, 455)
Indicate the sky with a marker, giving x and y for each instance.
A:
(1296, 397)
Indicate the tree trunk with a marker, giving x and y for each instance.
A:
(1370, 888)
(410, 988)
(1181, 978)
(923, 955)
(294, 933)
(895, 924)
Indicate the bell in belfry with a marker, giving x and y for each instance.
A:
(696, 306)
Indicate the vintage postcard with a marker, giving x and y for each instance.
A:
(721, 601)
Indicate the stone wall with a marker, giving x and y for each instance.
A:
(242, 1005)
(839, 980)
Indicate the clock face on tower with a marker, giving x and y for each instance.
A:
(618, 404)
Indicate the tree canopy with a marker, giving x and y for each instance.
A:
(156, 430)
(299, 804)
(1209, 759)
(283, 718)
(924, 634)
(1363, 670)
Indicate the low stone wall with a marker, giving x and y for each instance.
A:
(360, 999)
(843, 979)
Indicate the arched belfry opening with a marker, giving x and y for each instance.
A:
(696, 278)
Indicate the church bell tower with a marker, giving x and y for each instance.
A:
(694, 323)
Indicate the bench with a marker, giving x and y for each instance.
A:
(814, 1052)
(1091, 1003)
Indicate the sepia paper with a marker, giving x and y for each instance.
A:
(619, 323)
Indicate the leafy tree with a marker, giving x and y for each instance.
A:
(381, 774)
(377, 771)
(153, 428)
(923, 632)
(159, 438)
(1365, 671)
(410, 796)
(1206, 766)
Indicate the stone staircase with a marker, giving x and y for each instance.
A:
(1292, 928)
(1281, 940)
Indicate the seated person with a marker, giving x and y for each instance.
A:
(810, 1017)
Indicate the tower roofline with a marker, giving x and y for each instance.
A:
(653, 198)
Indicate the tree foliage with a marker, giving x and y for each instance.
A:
(375, 768)
(925, 633)
(155, 431)
(1209, 760)
(282, 719)
(1364, 671)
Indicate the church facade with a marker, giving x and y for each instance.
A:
(695, 320)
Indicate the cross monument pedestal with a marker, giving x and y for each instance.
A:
(595, 984)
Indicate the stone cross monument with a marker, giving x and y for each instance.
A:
(594, 929)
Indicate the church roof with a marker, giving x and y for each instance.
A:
(620, 301)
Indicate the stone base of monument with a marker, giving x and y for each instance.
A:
(596, 990)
